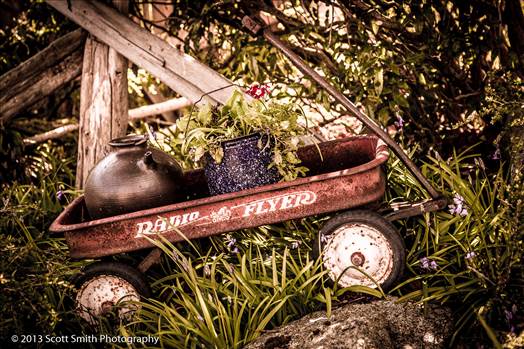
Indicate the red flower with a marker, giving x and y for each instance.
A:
(258, 91)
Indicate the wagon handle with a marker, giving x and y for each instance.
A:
(255, 27)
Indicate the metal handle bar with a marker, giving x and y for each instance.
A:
(255, 27)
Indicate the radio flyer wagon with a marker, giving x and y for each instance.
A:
(358, 246)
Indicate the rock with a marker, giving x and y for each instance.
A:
(380, 324)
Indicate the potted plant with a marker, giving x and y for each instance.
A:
(244, 144)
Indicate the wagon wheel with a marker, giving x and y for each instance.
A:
(356, 243)
(103, 285)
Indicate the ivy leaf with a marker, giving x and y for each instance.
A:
(205, 114)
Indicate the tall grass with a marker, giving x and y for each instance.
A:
(35, 296)
(229, 295)
(477, 252)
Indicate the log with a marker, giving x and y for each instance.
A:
(103, 103)
(179, 71)
(159, 108)
(134, 115)
(53, 134)
(41, 75)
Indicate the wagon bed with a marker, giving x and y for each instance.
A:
(346, 173)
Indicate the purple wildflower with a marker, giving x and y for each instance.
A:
(470, 255)
(458, 206)
(399, 123)
(231, 243)
(508, 314)
(235, 250)
(433, 265)
(60, 196)
(428, 264)
(496, 154)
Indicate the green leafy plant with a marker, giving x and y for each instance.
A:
(469, 256)
(205, 130)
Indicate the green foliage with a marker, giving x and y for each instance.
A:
(205, 131)
(27, 27)
(426, 61)
(34, 266)
(224, 295)
(223, 291)
(478, 254)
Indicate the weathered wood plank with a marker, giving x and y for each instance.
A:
(103, 103)
(177, 70)
(134, 115)
(47, 58)
(41, 75)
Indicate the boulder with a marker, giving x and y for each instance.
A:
(379, 324)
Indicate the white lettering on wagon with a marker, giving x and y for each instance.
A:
(226, 213)
(164, 223)
(277, 203)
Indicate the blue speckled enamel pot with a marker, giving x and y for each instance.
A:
(243, 166)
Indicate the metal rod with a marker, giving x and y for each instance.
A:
(307, 70)
(152, 257)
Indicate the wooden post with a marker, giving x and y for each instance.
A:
(103, 102)
(179, 71)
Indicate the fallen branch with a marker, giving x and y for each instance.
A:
(134, 115)
(53, 134)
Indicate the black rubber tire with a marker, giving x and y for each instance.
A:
(137, 279)
(376, 221)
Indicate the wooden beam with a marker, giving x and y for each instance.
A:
(41, 75)
(103, 103)
(177, 70)
(134, 115)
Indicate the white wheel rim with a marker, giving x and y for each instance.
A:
(358, 246)
(100, 294)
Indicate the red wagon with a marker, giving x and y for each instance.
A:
(358, 246)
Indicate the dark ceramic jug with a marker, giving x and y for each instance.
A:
(132, 178)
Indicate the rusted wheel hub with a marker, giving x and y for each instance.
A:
(358, 254)
(99, 295)
(358, 259)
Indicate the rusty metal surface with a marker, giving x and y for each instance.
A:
(350, 176)
(415, 209)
